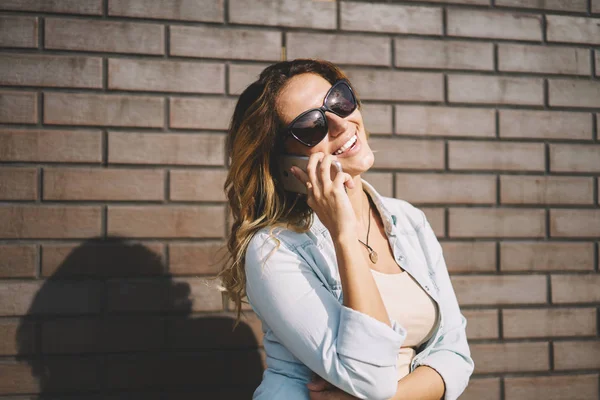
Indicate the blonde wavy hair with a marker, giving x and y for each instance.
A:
(255, 196)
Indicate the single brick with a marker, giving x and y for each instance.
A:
(341, 49)
(102, 334)
(548, 322)
(53, 71)
(242, 75)
(204, 258)
(555, 387)
(576, 355)
(445, 121)
(49, 221)
(167, 221)
(18, 31)
(496, 222)
(495, 155)
(18, 377)
(377, 84)
(166, 148)
(50, 146)
(50, 297)
(115, 258)
(166, 76)
(596, 6)
(88, 7)
(314, 14)
(495, 89)
(205, 113)
(543, 59)
(205, 294)
(574, 158)
(473, 2)
(494, 24)
(213, 42)
(391, 18)
(546, 256)
(447, 188)
(197, 185)
(377, 118)
(482, 389)
(437, 220)
(575, 288)
(105, 36)
(559, 5)
(471, 256)
(66, 184)
(408, 153)
(187, 10)
(481, 324)
(500, 289)
(545, 124)
(443, 54)
(381, 181)
(574, 93)
(103, 109)
(18, 261)
(510, 357)
(18, 183)
(546, 190)
(18, 107)
(17, 337)
(562, 28)
(574, 223)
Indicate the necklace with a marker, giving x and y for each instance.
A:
(372, 253)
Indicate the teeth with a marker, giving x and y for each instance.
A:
(346, 145)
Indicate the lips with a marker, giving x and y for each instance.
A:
(349, 143)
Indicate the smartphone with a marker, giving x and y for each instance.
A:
(290, 182)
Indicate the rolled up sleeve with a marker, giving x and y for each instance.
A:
(348, 348)
(450, 355)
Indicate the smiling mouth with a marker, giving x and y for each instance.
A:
(348, 145)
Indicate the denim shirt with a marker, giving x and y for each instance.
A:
(293, 285)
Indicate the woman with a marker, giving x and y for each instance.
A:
(351, 287)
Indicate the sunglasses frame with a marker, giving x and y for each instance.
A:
(288, 130)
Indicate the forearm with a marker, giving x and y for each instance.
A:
(423, 383)
(360, 291)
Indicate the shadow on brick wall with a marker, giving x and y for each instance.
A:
(109, 323)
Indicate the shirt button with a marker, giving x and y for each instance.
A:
(401, 257)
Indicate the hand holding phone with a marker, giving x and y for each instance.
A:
(293, 184)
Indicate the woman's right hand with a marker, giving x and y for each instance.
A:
(327, 197)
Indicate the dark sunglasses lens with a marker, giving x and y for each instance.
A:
(341, 100)
(311, 128)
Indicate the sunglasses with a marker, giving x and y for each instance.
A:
(310, 127)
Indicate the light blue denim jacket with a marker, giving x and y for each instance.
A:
(293, 285)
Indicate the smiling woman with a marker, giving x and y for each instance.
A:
(351, 287)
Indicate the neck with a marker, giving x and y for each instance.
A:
(358, 198)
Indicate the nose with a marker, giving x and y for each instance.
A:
(336, 124)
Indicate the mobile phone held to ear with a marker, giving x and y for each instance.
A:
(290, 182)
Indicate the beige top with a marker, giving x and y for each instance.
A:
(408, 304)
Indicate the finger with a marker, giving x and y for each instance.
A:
(299, 174)
(325, 172)
(343, 180)
(311, 169)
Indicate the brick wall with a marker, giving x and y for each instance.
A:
(112, 120)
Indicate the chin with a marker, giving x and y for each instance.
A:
(361, 164)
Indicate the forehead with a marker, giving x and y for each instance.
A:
(302, 92)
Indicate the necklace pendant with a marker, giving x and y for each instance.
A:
(373, 256)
